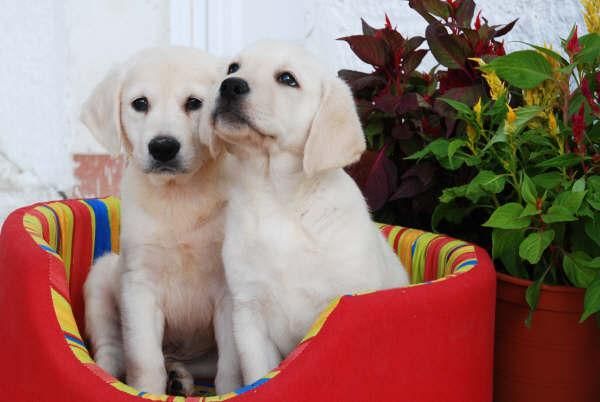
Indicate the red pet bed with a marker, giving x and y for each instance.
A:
(430, 342)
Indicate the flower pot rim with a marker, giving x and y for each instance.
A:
(526, 282)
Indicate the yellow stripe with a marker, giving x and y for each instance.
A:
(52, 229)
(65, 217)
(444, 256)
(223, 397)
(318, 324)
(420, 256)
(155, 397)
(33, 226)
(392, 238)
(64, 314)
(457, 253)
(125, 388)
(82, 355)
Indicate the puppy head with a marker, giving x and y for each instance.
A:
(277, 96)
(152, 106)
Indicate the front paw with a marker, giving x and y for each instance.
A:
(225, 382)
(180, 382)
(111, 361)
(151, 383)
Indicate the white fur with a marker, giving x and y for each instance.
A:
(298, 232)
(163, 300)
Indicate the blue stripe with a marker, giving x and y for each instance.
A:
(251, 386)
(142, 393)
(48, 248)
(466, 264)
(73, 339)
(102, 236)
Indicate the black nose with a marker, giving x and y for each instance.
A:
(233, 87)
(163, 148)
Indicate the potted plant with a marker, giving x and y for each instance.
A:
(508, 149)
(536, 146)
(400, 107)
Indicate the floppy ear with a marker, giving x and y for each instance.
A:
(335, 138)
(215, 145)
(101, 113)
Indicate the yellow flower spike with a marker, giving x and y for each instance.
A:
(552, 124)
(477, 110)
(511, 116)
(472, 136)
(591, 15)
(554, 131)
(496, 85)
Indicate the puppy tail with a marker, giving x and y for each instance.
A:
(102, 319)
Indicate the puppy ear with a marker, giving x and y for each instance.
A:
(101, 113)
(215, 144)
(335, 138)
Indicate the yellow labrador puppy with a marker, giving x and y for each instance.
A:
(163, 300)
(298, 231)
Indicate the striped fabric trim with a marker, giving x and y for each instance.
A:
(427, 257)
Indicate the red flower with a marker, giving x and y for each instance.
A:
(388, 24)
(478, 21)
(573, 46)
(578, 125)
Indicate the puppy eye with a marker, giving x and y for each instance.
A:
(192, 104)
(140, 104)
(288, 79)
(233, 67)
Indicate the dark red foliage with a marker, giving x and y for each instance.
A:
(578, 124)
(400, 107)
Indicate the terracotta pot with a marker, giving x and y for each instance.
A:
(557, 359)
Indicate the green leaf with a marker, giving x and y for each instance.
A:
(594, 183)
(592, 229)
(570, 200)
(551, 53)
(508, 216)
(591, 49)
(505, 247)
(579, 185)
(591, 303)
(532, 295)
(438, 147)
(459, 107)
(499, 137)
(579, 275)
(561, 161)
(453, 147)
(528, 190)
(558, 213)
(524, 69)
(530, 210)
(548, 181)
(524, 115)
(532, 248)
(450, 194)
(484, 183)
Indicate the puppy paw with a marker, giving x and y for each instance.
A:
(180, 381)
(111, 361)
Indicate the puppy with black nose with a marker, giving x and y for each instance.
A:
(297, 229)
(155, 313)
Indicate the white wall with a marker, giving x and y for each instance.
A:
(52, 53)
